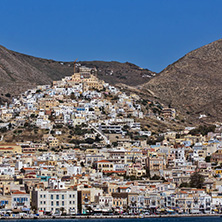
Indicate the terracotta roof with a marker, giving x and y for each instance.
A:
(6, 148)
(18, 192)
(129, 182)
(123, 188)
(28, 168)
(103, 161)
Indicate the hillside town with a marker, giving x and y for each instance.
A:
(81, 146)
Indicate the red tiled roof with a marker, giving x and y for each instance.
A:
(28, 168)
(6, 148)
(18, 192)
(103, 161)
(113, 171)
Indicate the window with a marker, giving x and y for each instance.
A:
(62, 203)
(73, 202)
(73, 195)
(44, 195)
(51, 197)
(70, 195)
(51, 203)
(70, 202)
(57, 196)
(41, 196)
(63, 196)
(57, 203)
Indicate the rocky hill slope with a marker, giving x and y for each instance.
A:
(193, 84)
(19, 72)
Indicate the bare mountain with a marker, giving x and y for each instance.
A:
(116, 72)
(193, 84)
(19, 72)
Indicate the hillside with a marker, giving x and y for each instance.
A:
(193, 84)
(19, 72)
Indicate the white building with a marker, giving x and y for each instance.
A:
(7, 170)
(55, 201)
(20, 200)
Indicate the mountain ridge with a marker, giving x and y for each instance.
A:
(19, 72)
(193, 83)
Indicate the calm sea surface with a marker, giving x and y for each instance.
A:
(176, 219)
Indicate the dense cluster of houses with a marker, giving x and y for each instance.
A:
(102, 167)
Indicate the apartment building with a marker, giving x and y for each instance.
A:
(56, 201)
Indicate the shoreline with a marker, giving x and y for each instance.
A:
(108, 217)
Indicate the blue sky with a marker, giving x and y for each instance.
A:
(149, 33)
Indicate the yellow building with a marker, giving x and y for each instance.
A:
(10, 148)
(48, 103)
(155, 164)
(53, 143)
(6, 116)
(89, 81)
(104, 166)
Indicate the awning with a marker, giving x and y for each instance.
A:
(16, 210)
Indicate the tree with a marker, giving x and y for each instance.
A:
(62, 209)
(72, 96)
(196, 180)
(115, 144)
(147, 172)
(155, 177)
(8, 95)
(160, 139)
(177, 136)
(204, 130)
(26, 124)
(89, 140)
(97, 139)
(207, 159)
(184, 184)
(126, 127)
(32, 115)
(3, 130)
